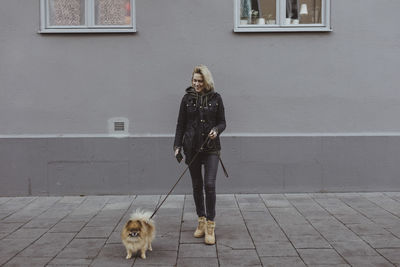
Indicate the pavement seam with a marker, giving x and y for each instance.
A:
(362, 213)
(24, 206)
(309, 222)
(9, 198)
(357, 209)
(376, 250)
(73, 238)
(265, 204)
(382, 207)
(216, 250)
(27, 223)
(391, 197)
(247, 228)
(180, 230)
(348, 227)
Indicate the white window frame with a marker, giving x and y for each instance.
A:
(325, 26)
(89, 26)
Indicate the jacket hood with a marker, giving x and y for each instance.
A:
(191, 90)
(202, 98)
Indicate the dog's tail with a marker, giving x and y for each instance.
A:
(142, 215)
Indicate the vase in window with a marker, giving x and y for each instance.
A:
(260, 21)
(244, 21)
(270, 19)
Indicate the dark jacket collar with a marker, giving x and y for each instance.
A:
(203, 98)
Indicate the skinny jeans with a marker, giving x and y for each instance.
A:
(210, 162)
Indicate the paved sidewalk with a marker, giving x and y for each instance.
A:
(327, 229)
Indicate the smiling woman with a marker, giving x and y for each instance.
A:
(201, 120)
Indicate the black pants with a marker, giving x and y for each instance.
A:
(210, 162)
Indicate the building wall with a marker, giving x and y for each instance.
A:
(341, 85)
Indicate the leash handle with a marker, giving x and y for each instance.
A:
(159, 206)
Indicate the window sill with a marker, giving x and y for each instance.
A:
(102, 30)
(281, 29)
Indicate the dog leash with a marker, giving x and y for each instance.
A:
(201, 148)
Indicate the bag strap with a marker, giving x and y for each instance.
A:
(223, 166)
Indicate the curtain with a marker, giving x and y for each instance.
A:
(245, 8)
(292, 9)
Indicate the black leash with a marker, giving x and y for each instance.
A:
(201, 148)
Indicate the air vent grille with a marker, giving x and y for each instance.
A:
(119, 126)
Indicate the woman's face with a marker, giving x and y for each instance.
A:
(198, 82)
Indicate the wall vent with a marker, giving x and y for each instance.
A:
(118, 126)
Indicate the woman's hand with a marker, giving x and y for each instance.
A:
(178, 154)
(177, 151)
(213, 133)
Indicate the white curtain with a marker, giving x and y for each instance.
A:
(245, 8)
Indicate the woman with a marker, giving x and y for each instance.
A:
(200, 122)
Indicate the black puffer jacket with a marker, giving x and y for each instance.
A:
(198, 114)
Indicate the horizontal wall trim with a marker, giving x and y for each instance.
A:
(226, 135)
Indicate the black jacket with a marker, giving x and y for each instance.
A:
(198, 114)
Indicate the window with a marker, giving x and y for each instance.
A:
(87, 16)
(282, 15)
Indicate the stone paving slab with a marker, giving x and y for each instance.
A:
(315, 229)
(197, 262)
(282, 261)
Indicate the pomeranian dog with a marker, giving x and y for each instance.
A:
(138, 233)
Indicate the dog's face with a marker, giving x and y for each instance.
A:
(133, 230)
(137, 234)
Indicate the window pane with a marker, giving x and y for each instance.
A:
(113, 12)
(303, 11)
(67, 12)
(257, 12)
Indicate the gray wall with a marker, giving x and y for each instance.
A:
(339, 83)
(73, 166)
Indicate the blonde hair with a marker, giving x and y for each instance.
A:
(205, 72)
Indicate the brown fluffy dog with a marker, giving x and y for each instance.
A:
(138, 233)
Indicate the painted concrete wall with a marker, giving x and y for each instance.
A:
(274, 85)
(345, 81)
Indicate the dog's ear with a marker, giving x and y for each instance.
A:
(148, 225)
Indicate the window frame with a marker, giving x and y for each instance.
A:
(325, 26)
(89, 26)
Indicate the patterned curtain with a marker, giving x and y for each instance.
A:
(111, 12)
(66, 12)
(245, 8)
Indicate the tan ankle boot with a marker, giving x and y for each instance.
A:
(201, 227)
(210, 235)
